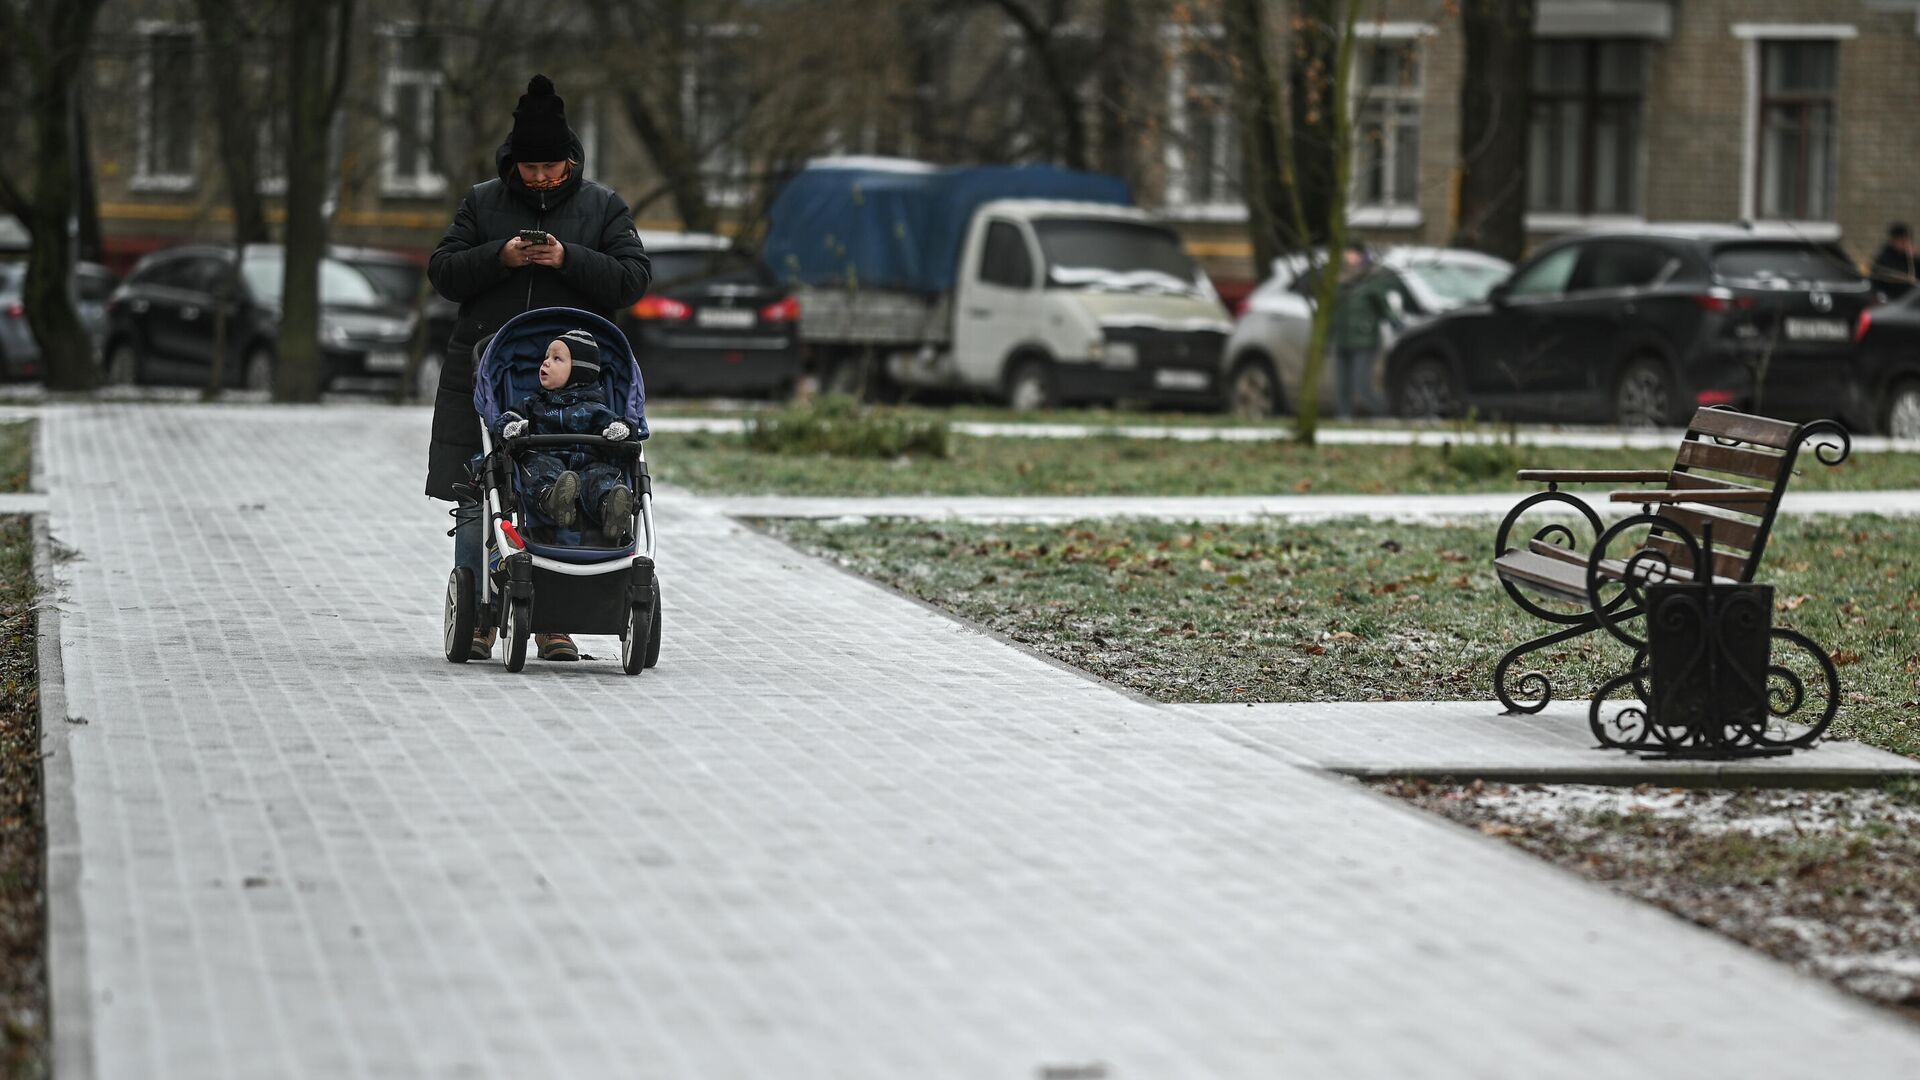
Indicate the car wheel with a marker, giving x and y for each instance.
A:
(1427, 391)
(1253, 391)
(257, 374)
(1903, 411)
(123, 364)
(1643, 398)
(426, 381)
(1030, 385)
(846, 378)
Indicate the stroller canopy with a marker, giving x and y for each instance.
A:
(509, 365)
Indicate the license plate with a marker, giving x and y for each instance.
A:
(1817, 330)
(386, 361)
(724, 318)
(1179, 379)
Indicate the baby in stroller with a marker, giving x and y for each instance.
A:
(573, 484)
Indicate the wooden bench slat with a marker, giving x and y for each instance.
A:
(1726, 564)
(1726, 424)
(1728, 532)
(1593, 476)
(1753, 502)
(1689, 480)
(1759, 464)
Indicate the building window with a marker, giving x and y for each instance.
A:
(167, 109)
(718, 105)
(1387, 125)
(412, 112)
(1203, 155)
(1585, 143)
(1796, 118)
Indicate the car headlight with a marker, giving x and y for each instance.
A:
(333, 333)
(1122, 354)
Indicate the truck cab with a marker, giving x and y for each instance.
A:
(1059, 301)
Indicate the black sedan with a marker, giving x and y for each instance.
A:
(715, 321)
(1639, 326)
(165, 319)
(1886, 375)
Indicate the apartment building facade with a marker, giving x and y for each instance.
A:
(1800, 113)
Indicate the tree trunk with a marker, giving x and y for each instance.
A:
(57, 44)
(317, 49)
(1316, 99)
(86, 193)
(667, 143)
(1337, 160)
(1494, 120)
(1120, 64)
(1273, 224)
(235, 118)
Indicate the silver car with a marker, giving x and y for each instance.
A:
(19, 352)
(1264, 362)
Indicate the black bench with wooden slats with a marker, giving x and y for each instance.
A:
(1752, 459)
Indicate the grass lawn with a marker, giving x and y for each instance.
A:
(1359, 611)
(16, 455)
(1116, 465)
(22, 916)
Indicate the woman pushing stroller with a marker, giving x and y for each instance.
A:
(573, 485)
(540, 235)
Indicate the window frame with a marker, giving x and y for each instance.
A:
(432, 181)
(1803, 106)
(726, 169)
(1752, 36)
(1177, 200)
(1591, 98)
(1377, 35)
(145, 177)
(1020, 244)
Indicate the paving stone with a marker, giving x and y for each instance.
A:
(834, 834)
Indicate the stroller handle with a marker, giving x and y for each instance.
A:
(601, 441)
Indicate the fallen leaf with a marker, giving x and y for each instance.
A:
(1343, 635)
(1314, 650)
(1501, 828)
(1304, 486)
(1206, 565)
(1793, 603)
(1843, 657)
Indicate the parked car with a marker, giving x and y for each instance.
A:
(163, 320)
(714, 321)
(1264, 363)
(1885, 388)
(402, 279)
(19, 352)
(1639, 325)
(1034, 284)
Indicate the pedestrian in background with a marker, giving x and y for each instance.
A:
(589, 257)
(1893, 268)
(1357, 314)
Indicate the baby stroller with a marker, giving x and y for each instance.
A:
(540, 579)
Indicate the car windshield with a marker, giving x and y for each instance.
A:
(686, 265)
(1783, 266)
(1114, 254)
(1442, 286)
(340, 284)
(399, 283)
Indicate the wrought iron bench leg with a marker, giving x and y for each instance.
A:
(1536, 681)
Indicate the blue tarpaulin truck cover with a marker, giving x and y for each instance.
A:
(900, 225)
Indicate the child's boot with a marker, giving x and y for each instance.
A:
(562, 500)
(616, 516)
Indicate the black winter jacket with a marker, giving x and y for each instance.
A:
(605, 269)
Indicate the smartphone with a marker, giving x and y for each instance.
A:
(533, 236)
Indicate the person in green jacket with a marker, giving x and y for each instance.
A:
(1357, 314)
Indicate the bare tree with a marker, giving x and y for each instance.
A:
(1043, 26)
(668, 33)
(1494, 122)
(55, 34)
(318, 44)
(230, 37)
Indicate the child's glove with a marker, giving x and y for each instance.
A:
(513, 427)
(616, 431)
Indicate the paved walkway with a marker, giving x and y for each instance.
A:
(834, 834)
(1229, 508)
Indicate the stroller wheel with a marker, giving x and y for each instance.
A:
(633, 640)
(519, 620)
(456, 621)
(653, 631)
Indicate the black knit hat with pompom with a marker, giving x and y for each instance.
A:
(540, 131)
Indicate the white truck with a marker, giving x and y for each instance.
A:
(1034, 284)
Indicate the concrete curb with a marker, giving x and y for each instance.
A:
(69, 990)
(1697, 774)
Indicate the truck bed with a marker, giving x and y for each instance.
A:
(874, 317)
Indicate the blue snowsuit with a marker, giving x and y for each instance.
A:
(570, 410)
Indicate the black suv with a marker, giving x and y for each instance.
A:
(164, 319)
(1639, 326)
